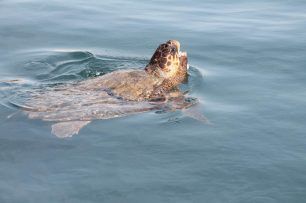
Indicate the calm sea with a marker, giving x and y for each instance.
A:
(248, 70)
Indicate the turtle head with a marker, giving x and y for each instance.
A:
(168, 62)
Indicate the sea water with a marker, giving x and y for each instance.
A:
(248, 71)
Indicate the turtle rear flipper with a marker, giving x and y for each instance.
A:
(68, 129)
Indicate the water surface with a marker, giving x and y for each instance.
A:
(248, 71)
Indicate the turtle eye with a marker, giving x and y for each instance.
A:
(173, 50)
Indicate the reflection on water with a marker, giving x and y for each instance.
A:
(247, 61)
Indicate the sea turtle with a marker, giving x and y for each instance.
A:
(116, 94)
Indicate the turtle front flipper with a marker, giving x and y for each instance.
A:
(189, 106)
(194, 113)
(68, 129)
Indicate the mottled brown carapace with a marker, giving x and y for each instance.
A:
(169, 62)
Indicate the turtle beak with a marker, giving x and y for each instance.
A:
(177, 44)
(182, 53)
(183, 56)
